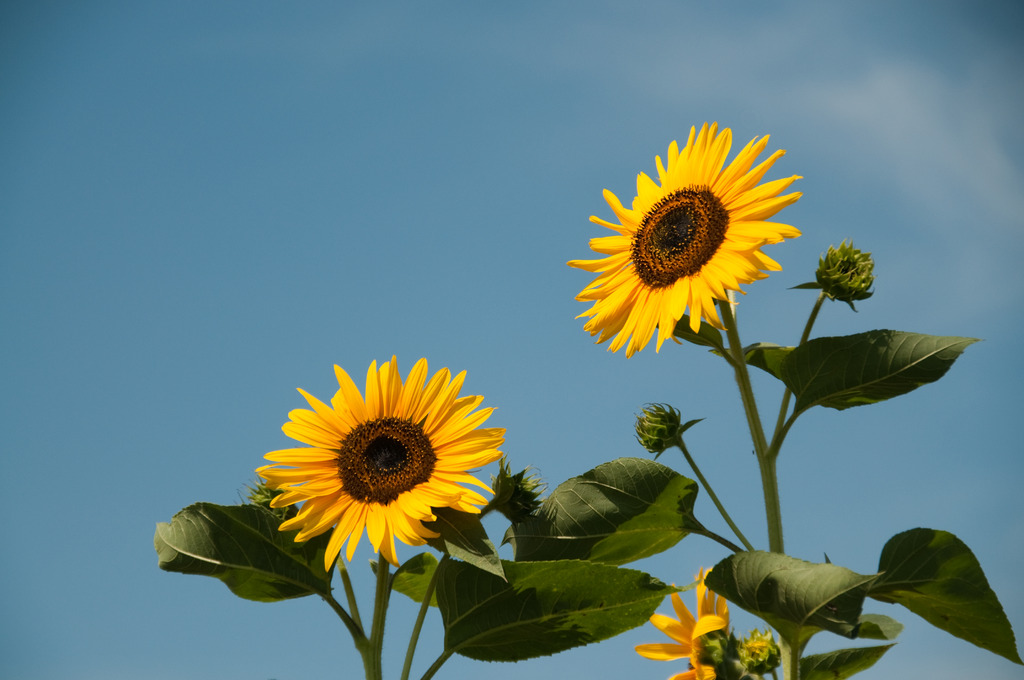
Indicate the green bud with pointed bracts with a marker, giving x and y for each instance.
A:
(846, 274)
(517, 496)
(260, 494)
(759, 653)
(713, 648)
(658, 428)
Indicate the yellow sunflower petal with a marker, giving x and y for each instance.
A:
(689, 675)
(412, 390)
(663, 651)
(348, 399)
(708, 624)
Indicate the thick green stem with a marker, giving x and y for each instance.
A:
(713, 496)
(790, 660)
(414, 638)
(769, 481)
(743, 379)
(372, 659)
(772, 506)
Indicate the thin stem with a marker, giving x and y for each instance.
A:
(780, 428)
(438, 662)
(414, 638)
(714, 497)
(769, 480)
(701, 530)
(354, 627)
(350, 592)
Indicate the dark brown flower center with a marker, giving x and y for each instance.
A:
(678, 236)
(381, 459)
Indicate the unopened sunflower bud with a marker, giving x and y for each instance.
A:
(516, 496)
(261, 495)
(713, 648)
(759, 653)
(658, 428)
(845, 273)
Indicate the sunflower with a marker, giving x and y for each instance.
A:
(384, 462)
(689, 238)
(712, 615)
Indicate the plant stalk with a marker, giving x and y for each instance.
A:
(781, 426)
(766, 462)
(414, 638)
(713, 496)
(372, 659)
(350, 592)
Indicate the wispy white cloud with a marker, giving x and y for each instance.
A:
(934, 134)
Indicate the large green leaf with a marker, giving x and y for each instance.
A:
(462, 535)
(797, 598)
(853, 370)
(841, 663)
(618, 512)
(933, 574)
(413, 577)
(241, 545)
(544, 607)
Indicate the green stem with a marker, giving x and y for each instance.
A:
(414, 638)
(713, 496)
(781, 426)
(438, 662)
(790, 659)
(700, 530)
(350, 592)
(743, 378)
(769, 480)
(372, 659)
(354, 627)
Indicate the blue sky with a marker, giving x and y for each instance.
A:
(206, 205)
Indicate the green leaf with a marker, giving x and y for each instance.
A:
(616, 513)
(841, 663)
(706, 336)
(810, 285)
(544, 607)
(463, 536)
(797, 598)
(242, 546)
(933, 574)
(879, 627)
(767, 356)
(853, 370)
(413, 577)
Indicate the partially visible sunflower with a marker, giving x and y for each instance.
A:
(712, 615)
(685, 242)
(385, 462)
